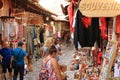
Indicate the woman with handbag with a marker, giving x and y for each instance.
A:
(50, 69)
(19, 57)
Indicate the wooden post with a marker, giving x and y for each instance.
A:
(114, 36)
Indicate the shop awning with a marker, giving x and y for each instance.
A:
(30, 7)
(59, 18)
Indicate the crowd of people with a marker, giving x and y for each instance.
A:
(8, 55)
(51, 52)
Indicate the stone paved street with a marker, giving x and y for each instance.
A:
(66, 58)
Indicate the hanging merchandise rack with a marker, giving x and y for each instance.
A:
(7, 17)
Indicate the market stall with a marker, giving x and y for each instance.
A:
(96, 25)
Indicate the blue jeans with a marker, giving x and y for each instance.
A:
(19, 69)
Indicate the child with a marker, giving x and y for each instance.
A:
(63, 70)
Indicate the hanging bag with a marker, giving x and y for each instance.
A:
(14, 61)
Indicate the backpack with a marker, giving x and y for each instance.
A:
(47, 72)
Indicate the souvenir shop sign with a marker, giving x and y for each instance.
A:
(100, 8)
(108, 60)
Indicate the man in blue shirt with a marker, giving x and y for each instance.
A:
(19, 55)
(6, 54)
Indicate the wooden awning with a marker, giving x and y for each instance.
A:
(30, 7)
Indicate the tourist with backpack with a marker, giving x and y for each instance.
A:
(19, 56)
(50, 69)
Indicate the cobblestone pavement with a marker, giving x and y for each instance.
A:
(66, 58)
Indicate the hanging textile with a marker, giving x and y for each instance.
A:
(74, 19)
(1, 27)
(21, 33)
(6, 31)
(34, 33)
(10, 30)
(71, 14)
(1, 30)
(86, 21)
(29, 41)
(37, 31)
(118, 24)
(86, 33)
(103, 28)
(41, 36)
(13, 31)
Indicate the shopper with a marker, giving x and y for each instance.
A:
(48, 43)
(6, 54)
(50, 69)
(58, 47)
(19, 55)
(41, 34)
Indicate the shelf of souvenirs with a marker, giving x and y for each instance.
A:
(83, 61)
(88, 68)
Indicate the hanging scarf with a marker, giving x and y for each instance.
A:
(118, 24)
(103, 28)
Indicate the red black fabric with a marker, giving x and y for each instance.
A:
(118, 24)
(86, 21)
(86, 36)
(103, 28)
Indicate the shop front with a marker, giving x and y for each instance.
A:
(96, 31)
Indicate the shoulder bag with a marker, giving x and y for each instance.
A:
(14, 62)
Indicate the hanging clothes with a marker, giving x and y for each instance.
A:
(34, 33)
(41, 35)
(87, 31)
(1, 27)
(13, 31)
(10, 30)
(74, 20)
(103, 28)
(1, 30)
(29, 41)
(20, 31)
(6, 31)
(70, 10)
(118, 24)
(86, 21)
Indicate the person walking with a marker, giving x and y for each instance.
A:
(41, 34)
(6, 54)
(19, 55)
(48, 43)
(50, 69)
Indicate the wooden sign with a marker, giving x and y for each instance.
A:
(108, 60)
(100, 8)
